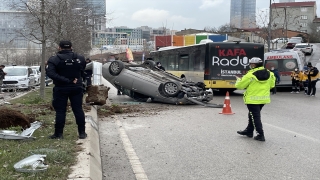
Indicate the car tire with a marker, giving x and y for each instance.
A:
(171, 89)
(116, 67)
(149, 64)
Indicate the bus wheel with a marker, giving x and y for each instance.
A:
(149, 64)
(116, 67)
(171, 89)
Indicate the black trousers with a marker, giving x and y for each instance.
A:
(254, 118)
(59, 103)
(312, 87)
(88, 79)
(295, 85)
(305, 86)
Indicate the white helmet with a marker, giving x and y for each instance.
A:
(255, 60)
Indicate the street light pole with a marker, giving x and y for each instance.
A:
(269, 26)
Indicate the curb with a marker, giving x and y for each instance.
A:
(89, 159)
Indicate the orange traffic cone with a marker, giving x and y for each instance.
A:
(227, 106)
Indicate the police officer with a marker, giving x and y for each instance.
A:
(258, 81)
(66, 69)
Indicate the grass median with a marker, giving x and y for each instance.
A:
(60, 154)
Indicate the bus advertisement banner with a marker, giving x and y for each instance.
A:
(229, 60)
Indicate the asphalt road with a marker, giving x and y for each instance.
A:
(197, 143)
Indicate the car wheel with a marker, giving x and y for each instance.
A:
(171, 89)
(116, 67)
(149, 64)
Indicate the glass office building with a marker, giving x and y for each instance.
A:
(243, 13)
(12, 14)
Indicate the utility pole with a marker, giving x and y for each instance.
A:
(286, 22)
(269, 26)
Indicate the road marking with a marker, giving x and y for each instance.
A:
(132, 156)
(295, 133)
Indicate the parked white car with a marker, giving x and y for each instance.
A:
(37, 76)
(304, 47)
(19, 77)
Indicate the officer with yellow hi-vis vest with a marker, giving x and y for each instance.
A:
(258, 81)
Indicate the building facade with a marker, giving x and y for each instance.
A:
(295, 16)
(12, 17)
(281, 1)
(243, 13)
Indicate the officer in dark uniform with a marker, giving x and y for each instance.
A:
(66, 69)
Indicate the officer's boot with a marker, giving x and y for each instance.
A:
(259, 137)
(246, 133)
(57, 135)
(82, 132)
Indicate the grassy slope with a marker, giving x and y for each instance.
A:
(61, 154)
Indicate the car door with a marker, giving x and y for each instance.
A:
(31, 77)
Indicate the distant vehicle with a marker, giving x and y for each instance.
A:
(299, 38)
(279, 40)
(304, 47)
(217, 64)
(19, 77)
(292, 42)
(36, 67)
(285, 61)
(37, 76)
(146, 81)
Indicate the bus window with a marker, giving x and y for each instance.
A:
(172, 63)
(196, 60)
(163, 60)
(183, 63)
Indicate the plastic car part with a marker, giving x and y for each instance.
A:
(26, 134)
(31, 164)
(116, 67)
(171, 89)
(203, 104)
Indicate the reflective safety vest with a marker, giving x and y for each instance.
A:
(257, 85)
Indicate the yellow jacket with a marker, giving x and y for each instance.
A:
(313, 74)
(303, 76)
(296, 75)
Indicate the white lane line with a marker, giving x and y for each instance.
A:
(132, 156)
(295, 133)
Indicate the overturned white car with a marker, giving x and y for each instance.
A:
(145, 81)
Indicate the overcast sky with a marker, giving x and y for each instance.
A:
(174, 14)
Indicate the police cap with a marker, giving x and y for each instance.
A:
(65, 44)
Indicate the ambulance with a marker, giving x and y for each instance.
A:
(285, 61)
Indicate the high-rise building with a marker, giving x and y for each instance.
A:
(282, 1)
(243, 13)
(11, 20)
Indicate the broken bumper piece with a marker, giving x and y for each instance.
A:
(26, 134)
(32, 164)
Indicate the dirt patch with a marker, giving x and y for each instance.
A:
(145, 109)
(10, 116)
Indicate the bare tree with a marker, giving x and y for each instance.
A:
(50, 21)
(7, 51)
(314, 35)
